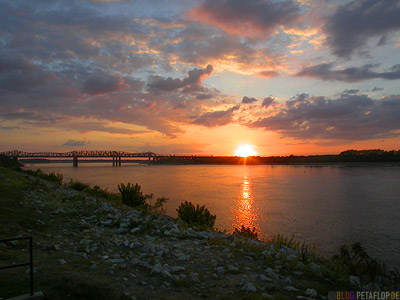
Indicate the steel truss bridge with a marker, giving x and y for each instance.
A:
(115, 155)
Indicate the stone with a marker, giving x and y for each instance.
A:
(249, 287)
(354, 280)
(177, 269)
(232, 269)
(194, 277)
(156, 269)
(62, 261)
(290, 288)
(311, 292)
(220, 270)
(115, 260)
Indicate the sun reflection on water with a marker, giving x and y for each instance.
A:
(245, 211)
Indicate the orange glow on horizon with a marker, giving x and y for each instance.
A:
(245, 150)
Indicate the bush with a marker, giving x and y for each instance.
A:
(53, 177)
(132, 195)
(9, 163)
(76, 185)
(355, 260)
(247, 232)
(198, 217)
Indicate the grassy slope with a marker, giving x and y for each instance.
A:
(70, 281)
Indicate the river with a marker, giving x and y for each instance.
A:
(328, 205)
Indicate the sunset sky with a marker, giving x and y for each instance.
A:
(180, 76)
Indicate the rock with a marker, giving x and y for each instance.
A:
(249, 287)
(232, 269)
(290, 288)
(287, 281)
(62, 261)
(311, 292)
(194, 277)
(265, 295)
(156, 269)
(354, 280)
(220, 270)
(271, 274)
(177, 269)
(183, 257)
(94, 266)
(115, 260)
(135, 229)
(291, 257)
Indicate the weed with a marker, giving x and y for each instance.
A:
(247, 232)
(196, 216)
(132, 195)
(52, 177)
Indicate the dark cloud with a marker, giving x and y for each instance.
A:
(203, 96)
(375, 89)
(267, 101)
(200, 44)
(102, 84)
(349, 28)
(247, 100)
(216, 118)
(351, 91)
(350, 117)
(268, 74)
(75, 143)
(301, 97)
(191, 83)
(325, 72)
(251, 17)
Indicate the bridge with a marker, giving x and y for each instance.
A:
(115, 155)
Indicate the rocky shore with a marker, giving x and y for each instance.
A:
(149, 256)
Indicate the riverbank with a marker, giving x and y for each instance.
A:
(90, 247)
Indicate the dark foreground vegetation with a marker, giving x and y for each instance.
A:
(93, 244)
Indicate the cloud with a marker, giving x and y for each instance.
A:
(350, 118)
(375, 89)
(325, 72)
(102, 84)
(353, 23)
(191, 83)
(268, 74)
(247, 100)
(216, 118)
(351, 91)
(267, 102)
(301, 97)
(75, 143)
(248, 18)
(203, 96)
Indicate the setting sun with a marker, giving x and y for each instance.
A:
(245, 150)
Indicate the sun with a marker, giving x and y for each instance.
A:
(245, 150)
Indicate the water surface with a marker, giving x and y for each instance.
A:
(328, 205)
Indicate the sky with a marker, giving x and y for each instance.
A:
(200, 77)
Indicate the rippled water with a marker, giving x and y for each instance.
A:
(326, 205)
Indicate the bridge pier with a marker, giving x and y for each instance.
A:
(117, 161)
(75, 161)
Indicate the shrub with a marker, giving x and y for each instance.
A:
(132, 195)
(247, 232)
(9, 163)
(53, 177)
(355, 260)
(76, 185)
(158, 207)
(198, 217)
